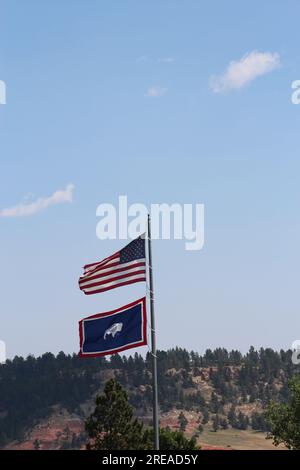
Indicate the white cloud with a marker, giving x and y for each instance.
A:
(167, 60)
(31, 208)
(239, 73)
(156, 91)
(142, 59)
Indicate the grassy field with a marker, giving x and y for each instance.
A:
(235, 439)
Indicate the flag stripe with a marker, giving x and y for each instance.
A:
(111, 278)
(106, 267)
(112, 259)
(117, 273)
(98, 291)
(113, 270)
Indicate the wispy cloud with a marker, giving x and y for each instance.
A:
(167, 60)
(142, 59)
(30, 208)
(156, 91)
(240, 73)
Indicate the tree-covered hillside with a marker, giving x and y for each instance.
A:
(227, 389)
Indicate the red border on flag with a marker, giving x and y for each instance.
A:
(143, 342)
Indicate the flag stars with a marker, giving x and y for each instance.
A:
(135, 250)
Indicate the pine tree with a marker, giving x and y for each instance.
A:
(36, 444)
(232, 419)
(215, 423)
(182, 422)
(242, 421)
(170, 440)
(284, 418)
(223, 423)
(200, 428)
(214, 403)
(205, 416)
(111, 426)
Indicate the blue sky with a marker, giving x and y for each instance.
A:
(79, 111)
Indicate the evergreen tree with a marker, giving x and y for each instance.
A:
(200, 428)
(111, 426)
(258, 422)
(223, 423)
(284, 418)
(182, 422)
(215, 423)
(205, 416)
(232, 417)
(36, 444)
(214, 403)
(242, 421)
(169, 440)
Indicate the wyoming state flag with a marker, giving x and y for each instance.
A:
(115, 331)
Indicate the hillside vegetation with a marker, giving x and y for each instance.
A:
(217, 391)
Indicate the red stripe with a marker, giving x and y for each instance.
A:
(115, 351)
(99, 268)
(108, 273)
(116, 285)
(103, 262)
(96, 270)
(105, 259)
(107, 281)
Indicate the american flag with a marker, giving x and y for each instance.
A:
(127, 266)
